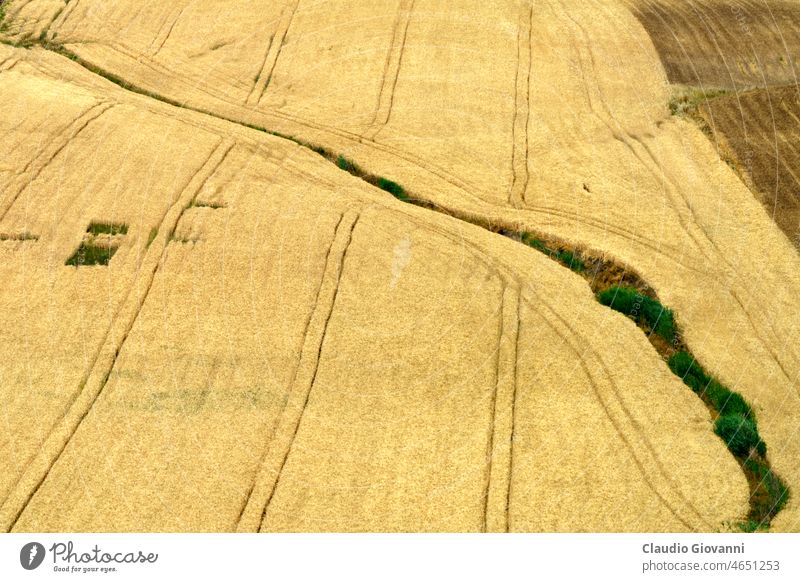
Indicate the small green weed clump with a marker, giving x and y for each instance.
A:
(110, 228)
(319, 150)
(204, 204)
(101, 241)
(152, 236)
(774, 495)
(20, 236)
(89, 254)
(690, 98)
(566, 258)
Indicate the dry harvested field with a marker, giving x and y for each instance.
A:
(277, 345)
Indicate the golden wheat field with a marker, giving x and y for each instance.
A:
(303, 266)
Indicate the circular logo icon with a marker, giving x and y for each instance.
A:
(31, 555)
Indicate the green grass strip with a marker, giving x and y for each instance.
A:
(640, 308)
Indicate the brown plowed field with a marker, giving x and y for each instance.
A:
(759, 132)
(730, 44)
(750, 50)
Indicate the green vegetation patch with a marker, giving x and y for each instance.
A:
(152, 236)
(201, 204)
(724, 401)
(100, 243)
(688, 99)
(20, 236)
(110, 228)
(393, 188)
(640, 308)
(351, 167)
(772, 495)
(347, 165)
(319, 150)
(736, 426)
(89, 254)
(566, 258)
(740, 434)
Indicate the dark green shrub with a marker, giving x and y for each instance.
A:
(641, 308)
(727, 402)
(684, 365)
(344, 164)
(393, 188)
(777, 492)
(740, 435)
(724, 401)
(621, 299)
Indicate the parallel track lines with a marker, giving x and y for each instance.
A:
(161, 39)
(625, 425)
(276, 43)
(391, 69)
(498, 478)
(254, 513)
(37, 470)
(47, 154)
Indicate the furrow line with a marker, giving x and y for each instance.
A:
(519, 129)
(280, 445)
(50, 153)
(276, 44)
(499, 474)
(391, 71)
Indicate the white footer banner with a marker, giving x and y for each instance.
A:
(380, 557)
